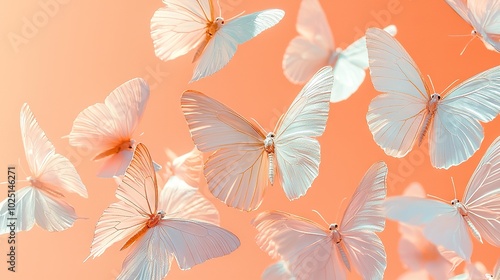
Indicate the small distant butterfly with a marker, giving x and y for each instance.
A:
(423, 258)
(277, 271)
(243, 154)
(188, 167)
(408, 110)
(312, 251)
(41, 202)
(180, 224)
(446, 225)
(315, 48)
(477, 271)
(184, 25)
(484, 17)
(107, 128)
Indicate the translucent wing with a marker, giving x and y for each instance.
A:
(301, 243)
(365, 212)
(277, 271)
(349, 69)
(180, 27)
(36, 206)
(443, 224)
(194, 242)
(222, 47)
(363, 216)
(311, 50)
(53, 171)
(297, 153)
(496, 271)
(104, 127)
(456, 132)
(179, 200)
(482, 196)
(149, 259)
(460, 6)
(237, 172)
(189, 167)
(485, 17)
(138, 193)
(395, 116)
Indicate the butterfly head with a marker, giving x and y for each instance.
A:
(474, 33)
(455, 202)
(489, 276)
(436, 97)
(154, 219)
(334, 227)
(269, 143)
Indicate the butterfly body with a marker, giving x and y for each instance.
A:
(126, 145)
(431, 109)
(462, 210)
(336, 237)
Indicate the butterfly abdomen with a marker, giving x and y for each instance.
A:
(473, 228)
(270, 156)
(431, 110)
(343, 255)
(136, 236)
(425, 128)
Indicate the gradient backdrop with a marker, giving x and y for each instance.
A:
(71, 55)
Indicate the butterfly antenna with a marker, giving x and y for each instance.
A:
(454, 189)
(432, 84)
(338, 209)
(236, 16)
(459, 35)
(317, 212)
(472, 39)
(438, 198)
(220, 9)
(258, 124)
(450, 85)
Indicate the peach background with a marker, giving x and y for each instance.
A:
(87, 48)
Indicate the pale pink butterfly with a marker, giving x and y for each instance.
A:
(314, 48)
(477, 271)
(446, 225)
(277, 271)
(407, 109)
(107, 128)
(424, 259)
(187, 167)
(315, 252)
(179, 223)
(41, 202)
(484, 17)
(184, 25)
(244, 157)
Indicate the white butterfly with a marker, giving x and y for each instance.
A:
(446, 225)
(41, 202)
(107, 128)
(477, 271)
(243, 159)
(314, 48)
(484, 17)
(184, 25)
(315, 252)
(407, 109)
(180, 224)
(277, 271)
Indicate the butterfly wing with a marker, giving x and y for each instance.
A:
(222, 47)
(349, 70)
(237, 172)
(485, 16)
(456, 132)
(103, 127)
(277, 271)
(362, 218)
(180, 27)
(482, 196)
(311, 50)
(297, 152)
(301, 243)
(36, 206)
(443, 224)
(138, 193)
(189, 167)
(395, 116)
(52, 170)
(460, 6)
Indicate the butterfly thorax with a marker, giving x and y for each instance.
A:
(431, 108)
(269, 143)
(43, 186)
(214, 26)
(334, 56)
(460, 207)
(154, 219)
(335, 234)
